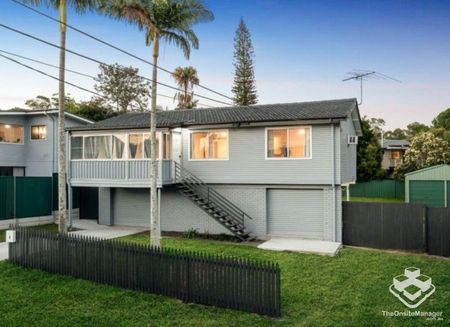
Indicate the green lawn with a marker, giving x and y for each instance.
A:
(50, 227)
(348, 290)
(362, 199)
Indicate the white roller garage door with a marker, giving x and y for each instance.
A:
(296, 213)
(131, 207)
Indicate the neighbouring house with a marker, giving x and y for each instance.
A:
(256, 171)
(28, 145)
(430, 186)
(393, 153)
(29, 164)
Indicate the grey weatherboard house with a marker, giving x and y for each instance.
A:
(258, 171)
(28, 141)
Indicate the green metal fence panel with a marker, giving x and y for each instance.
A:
(6, 197)
(430, 193)
(33, 196)
(386, 188)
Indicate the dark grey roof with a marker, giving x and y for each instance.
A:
(392, 144)
(332, 109)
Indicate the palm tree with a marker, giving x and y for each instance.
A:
(186, 78)
(61, 5)
(162, 20)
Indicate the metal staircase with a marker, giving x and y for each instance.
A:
(213, 203)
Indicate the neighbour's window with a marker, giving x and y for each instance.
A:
(292, 142)
(11, 134)
(38, 132)
(118, 146)
(209, 145)
(396, 155)
(97, 147)
(76, 147)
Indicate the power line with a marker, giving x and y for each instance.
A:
(66, 69)
(98, 61)
(51, 76)
(112, 46)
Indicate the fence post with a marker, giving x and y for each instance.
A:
(425, 229)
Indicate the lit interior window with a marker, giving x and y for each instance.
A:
(38, 132)
(11, 133)
(209, 145)
(288, 142)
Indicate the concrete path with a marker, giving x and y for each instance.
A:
(3, 251)
(91, 228)
(301, 245)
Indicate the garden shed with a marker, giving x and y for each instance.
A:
(430, 186)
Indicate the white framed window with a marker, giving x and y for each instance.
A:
(97, 147)
(139, 146)
(288, 142)
(117, 146)
(38, 132)
(76, 148)
(12, 134)
(208, 145)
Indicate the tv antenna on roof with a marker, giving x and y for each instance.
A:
(361, 75)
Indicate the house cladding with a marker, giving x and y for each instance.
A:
(37, 156)
(282, 165)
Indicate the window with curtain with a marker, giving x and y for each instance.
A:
(147, 146)
(11, 134)
(97, 147)
(292, 142)
(118, 146)
(38, 132)
(136, 146)
(209, 145)
(76, 147)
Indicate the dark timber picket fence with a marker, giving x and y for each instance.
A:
(191, 277)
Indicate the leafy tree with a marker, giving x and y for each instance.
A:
(441, 125)
(39, 103)
(396, 134)
(122, 88)
(442, 120)
(416, 128)
(425, 150)
(163, 20)
(369, 154)
(244, 87)
(376, 125)
(93, 110)
(61, 5)
(186, 78)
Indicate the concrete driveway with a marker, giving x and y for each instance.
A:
(89, 228)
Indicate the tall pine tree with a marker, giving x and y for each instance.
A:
(244, 86)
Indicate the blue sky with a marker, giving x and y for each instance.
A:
(303, 50)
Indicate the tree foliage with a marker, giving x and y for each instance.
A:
(396, 134)
(370, 154)
(122, 88)
(425, 150)
(186, 78)
(244, 87)
(91, 110)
